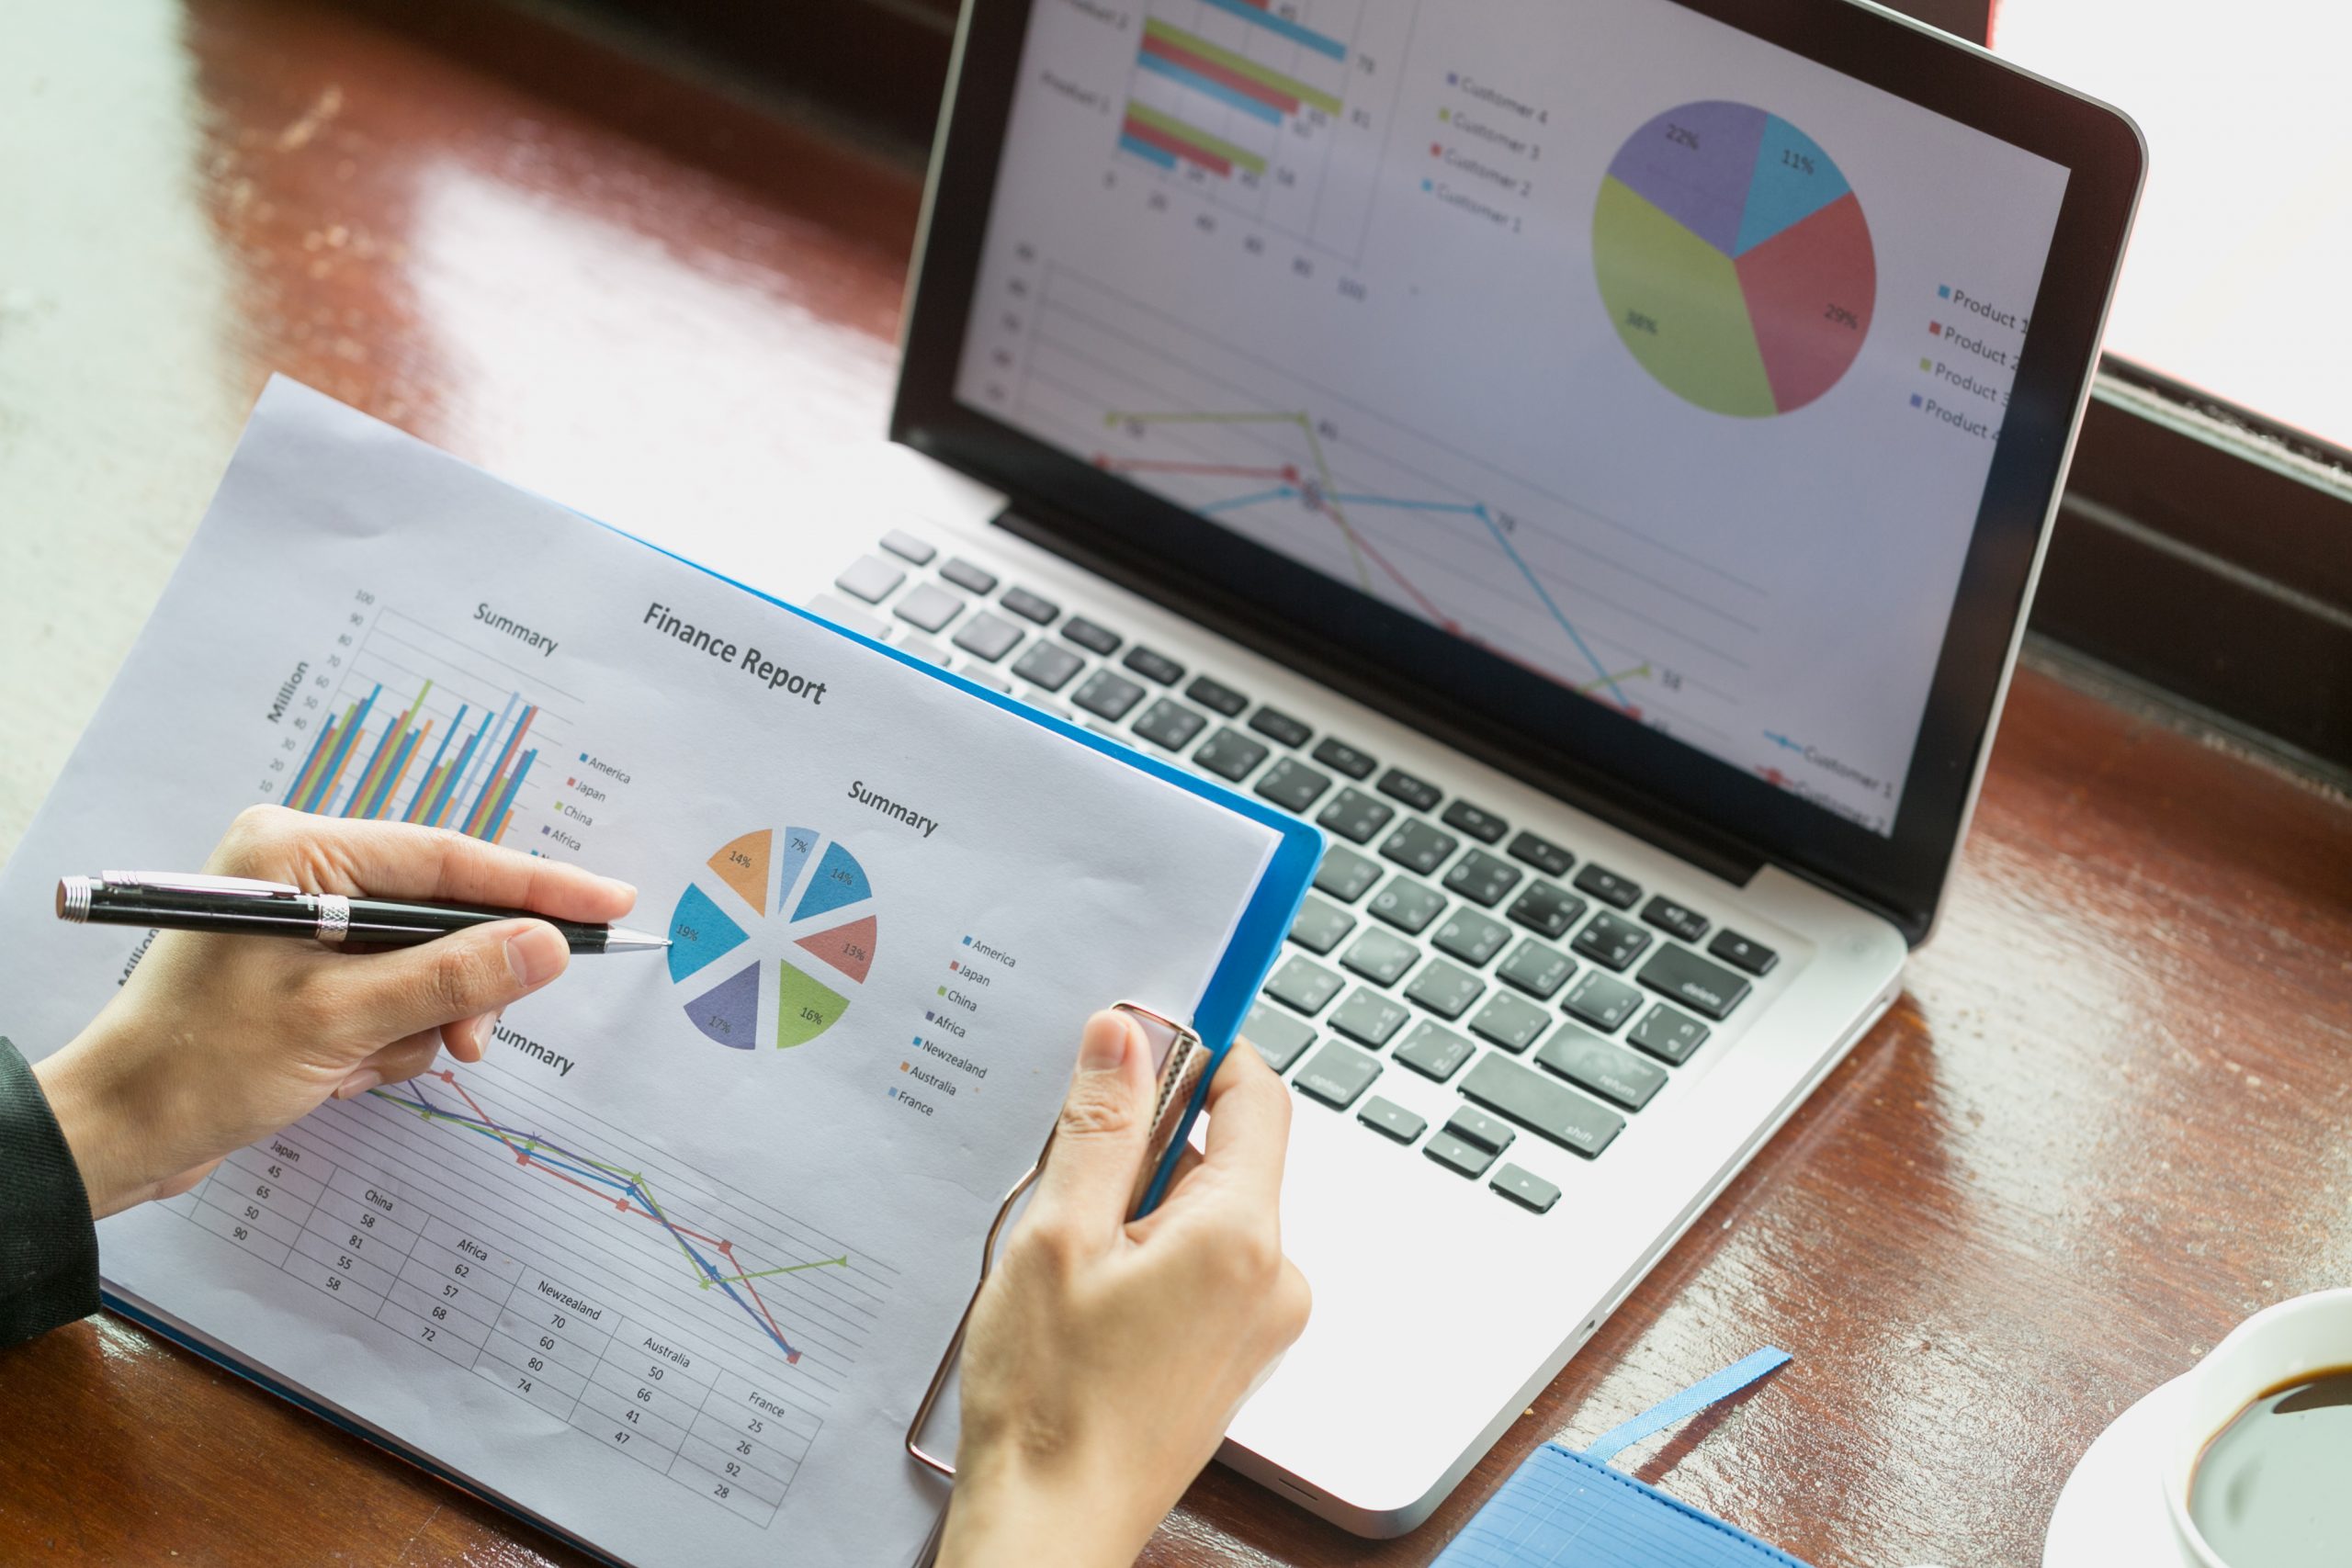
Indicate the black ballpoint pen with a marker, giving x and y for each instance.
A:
(192, 901)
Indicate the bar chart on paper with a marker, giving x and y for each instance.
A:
(1276, 113)
(699, 1331)
(422, 727)
(791, 913)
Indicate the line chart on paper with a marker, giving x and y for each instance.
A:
(1425, 526)
(700, 1331)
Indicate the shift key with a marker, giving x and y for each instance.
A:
(1541, 1106)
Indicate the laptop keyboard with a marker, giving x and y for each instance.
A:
(1554, 994)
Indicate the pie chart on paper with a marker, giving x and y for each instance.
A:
(772, 939)
(1734, 259)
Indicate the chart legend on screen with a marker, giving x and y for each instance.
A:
(772, 938)
(1734, 259)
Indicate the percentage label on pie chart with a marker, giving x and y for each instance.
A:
(1734, 259)
(772, 939)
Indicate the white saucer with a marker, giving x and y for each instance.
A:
(2111, 1510)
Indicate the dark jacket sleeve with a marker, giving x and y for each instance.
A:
(49, 1248)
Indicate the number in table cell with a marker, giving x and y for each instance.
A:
(451, 1280)
(271, 1180)
(525, 1386)
(560, 1307)
(765, 1413)
(487, 1261)
(254, 1215)
(437, 1337)
(712, 1428)
(376, 1199)
(456, 1327)
(366, 1231)
(536, 1362)
(325, 1250)
(728, 1493)
(662, 1357)
(601, 1414)
(333, 1282)
(548, 1342)
(243, 1233)
(722, 1459)
(648, 1394)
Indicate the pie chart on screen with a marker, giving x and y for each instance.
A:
(1734, 259)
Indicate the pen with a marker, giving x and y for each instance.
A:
(192, 901)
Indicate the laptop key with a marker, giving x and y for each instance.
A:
(1417, 846)
(1542, 854)
(1591, 1063)
(986, 636)
(1511, 1022)
(1216, 696)
(1680, 919)
(1047, 666)
(1353, 814)
(1337, 1075)
(1544, 1108)
(870, 578)
(1171, 724)
(1292, 784)
(1609, 941)
(1303, 985)
(906, 547)
(1536, 969)
(1478, 1127)
(928, 606)
(1709, 989)
(1279, 726)
(1743, 953)
(1380, 957)
(1319, 928)
(1475, 820)
(1367, 1018)
(968, 577)
(1481, 878)
(1669, 1035)
(1525, 1188)
(1278, 1036)
(923, 647)
(1472, 937)
(1458, 1155)
(1406, 905)
(1547, 908)
(1434, 1052)
(1229, 754)
(841, 613)
(1107, 696)
(1419, 793)
(1344, 874)
(1341, 758)
(1030, 606)
(985, 676)
(1153, 665)
(1387, 1116)
(1090, 636)
(1443, 990)
(1608, 887)
(1602, 1002)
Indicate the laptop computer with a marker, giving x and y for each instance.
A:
(1591, 462)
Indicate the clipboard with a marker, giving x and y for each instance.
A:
(1250, 949)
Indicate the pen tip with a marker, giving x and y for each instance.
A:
(620, 939)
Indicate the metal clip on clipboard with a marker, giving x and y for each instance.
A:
(1178, 1060)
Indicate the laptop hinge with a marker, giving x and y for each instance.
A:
(1398, 695)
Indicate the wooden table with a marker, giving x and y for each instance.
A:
(2107, 1121)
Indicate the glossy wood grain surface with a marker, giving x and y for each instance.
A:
(2107, 1121)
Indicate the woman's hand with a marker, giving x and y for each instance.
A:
(1105, 1358)
(215, 1041)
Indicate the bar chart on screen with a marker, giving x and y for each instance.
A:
(1275, 109)
(409, 723)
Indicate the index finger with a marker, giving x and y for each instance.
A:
(396, 859)
(1249, 1113)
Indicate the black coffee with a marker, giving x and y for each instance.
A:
(2274, 1487)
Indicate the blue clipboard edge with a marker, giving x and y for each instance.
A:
(1257, 937)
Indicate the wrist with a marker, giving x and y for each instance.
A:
(1002, 1516)
(105, 1129)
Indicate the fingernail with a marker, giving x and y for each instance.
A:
(485, 1027)
(359, 1083)
(535, 954)
(1104, 1047)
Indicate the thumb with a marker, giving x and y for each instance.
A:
(1100, 1139)
(467, 972)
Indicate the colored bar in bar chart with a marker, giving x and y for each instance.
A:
(1282, 26)
(1147, 152)
(423, 801)
(1159, 64)
(485, 805)
(319, 749)
(330, 773)
(1172, 136)
(1269, 87)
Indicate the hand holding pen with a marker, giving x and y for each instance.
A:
(214, 1041)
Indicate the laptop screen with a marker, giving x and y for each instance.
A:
(1651, 358)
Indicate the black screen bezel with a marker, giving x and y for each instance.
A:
(1556, 736)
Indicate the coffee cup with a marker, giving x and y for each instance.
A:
(2302, 1337)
